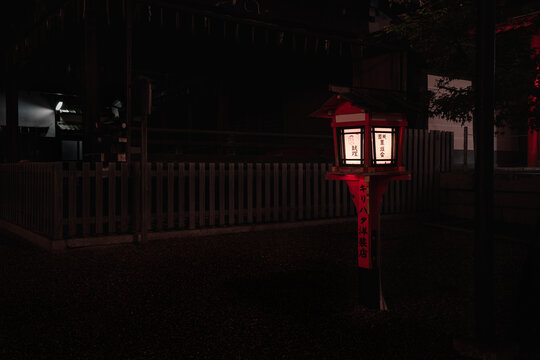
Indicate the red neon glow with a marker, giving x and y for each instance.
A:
(513, 24)
(533, 137)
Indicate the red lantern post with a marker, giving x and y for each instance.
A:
(368, 155)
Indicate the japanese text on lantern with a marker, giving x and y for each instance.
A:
(353, 145)
(383, 145)
(364, 243)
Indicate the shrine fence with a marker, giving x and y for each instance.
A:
(64, 200)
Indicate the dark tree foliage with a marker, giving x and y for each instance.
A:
(442, 32)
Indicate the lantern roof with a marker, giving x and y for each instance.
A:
(350, 100)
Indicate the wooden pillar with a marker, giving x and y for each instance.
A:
(367, 197)
(128, 74)
(532, 147)
(90, 79)
(533, 136)
(367, 193)
(58, 210)
(12, 112)
(145, 181)
(143, 94)
(484, 170)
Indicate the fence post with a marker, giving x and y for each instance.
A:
(420, 169)
(85, 198)
(192, 195)
(450, 150)
(124, 185)
(221, 192)
(414, 169)
(300, 191)
(212, 194)
(437, 169)
(309, 179)
(465, 146)
(258, 192)
(276, 192)
(135, 211)
(157, 196)
(72, 199)
(316, 180)
(330, 196)
(249, 193)
(58, 209)
(144, 198)
(181, 195)
(231, 211)
(112, 198)
(267, 186)
(425, 171)
(170, 195)
(430, 170)
(202, 194)
(98, 201)
(284, 192)
(323, 185)
(292, 192)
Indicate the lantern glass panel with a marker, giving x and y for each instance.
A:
(383, 146)
(351, 146)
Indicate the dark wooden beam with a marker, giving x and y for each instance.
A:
(484, 169)
(128, 72)
(90, 79)
(12, 111)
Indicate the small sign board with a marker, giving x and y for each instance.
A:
(364, 236)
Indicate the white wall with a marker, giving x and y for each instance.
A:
(34, 110)
(441, 124)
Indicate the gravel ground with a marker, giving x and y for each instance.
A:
(263, 295)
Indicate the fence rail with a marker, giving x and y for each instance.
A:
(68, 200)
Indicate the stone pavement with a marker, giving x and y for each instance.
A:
(289, 294)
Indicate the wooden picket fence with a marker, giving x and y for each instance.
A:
(426, 154)
(31, 196)
(80, 199)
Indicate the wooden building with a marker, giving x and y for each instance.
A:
(211, 79)
(219, 94)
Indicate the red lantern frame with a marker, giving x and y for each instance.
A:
(367, 182)
(370, 121)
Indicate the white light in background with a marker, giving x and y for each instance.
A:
(36, 111)
(59, 105)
